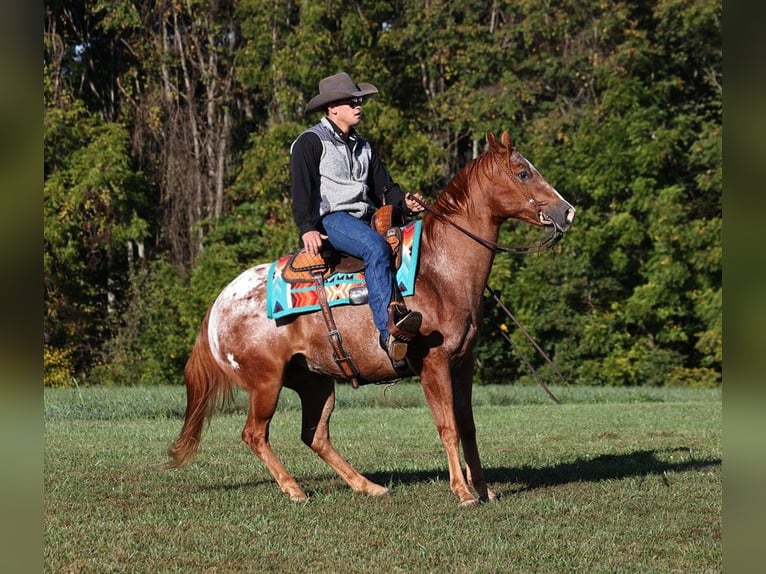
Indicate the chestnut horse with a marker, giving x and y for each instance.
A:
(238, 344)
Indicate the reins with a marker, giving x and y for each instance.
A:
(548, 243)
(521, 328)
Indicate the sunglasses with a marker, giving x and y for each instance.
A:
(353, 102)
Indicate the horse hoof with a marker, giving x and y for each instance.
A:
(298, 498)
(379, 491)
(488, 497)
(469, 502)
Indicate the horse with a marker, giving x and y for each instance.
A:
(238, 344)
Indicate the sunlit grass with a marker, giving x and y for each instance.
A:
(610, 481)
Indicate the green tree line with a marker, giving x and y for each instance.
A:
(167, 128)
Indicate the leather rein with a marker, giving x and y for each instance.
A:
(549, 242)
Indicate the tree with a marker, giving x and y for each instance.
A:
(185, 113)
(637, 293)
(91, 207)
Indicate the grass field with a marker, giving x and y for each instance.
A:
(612, 480)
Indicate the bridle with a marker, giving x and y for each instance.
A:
(548, 243)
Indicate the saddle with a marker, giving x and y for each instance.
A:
(304, 267)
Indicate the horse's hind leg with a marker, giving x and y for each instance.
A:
(317, 396)
(263, 403)
(463, 388)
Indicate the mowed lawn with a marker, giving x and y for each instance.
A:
(612, 480)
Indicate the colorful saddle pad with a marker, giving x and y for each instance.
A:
(283, 298)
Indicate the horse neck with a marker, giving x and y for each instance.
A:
(452, 257)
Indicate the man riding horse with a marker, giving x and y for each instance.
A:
(338, 182)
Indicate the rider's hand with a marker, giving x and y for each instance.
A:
(312, 241)
(412, 204)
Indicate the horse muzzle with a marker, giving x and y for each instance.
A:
(558, 219)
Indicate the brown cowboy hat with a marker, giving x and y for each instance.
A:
(338, 87)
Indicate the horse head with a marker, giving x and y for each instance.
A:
(522, 193)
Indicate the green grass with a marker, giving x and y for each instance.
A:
(613, 480)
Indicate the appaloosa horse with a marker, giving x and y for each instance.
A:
(238, 344)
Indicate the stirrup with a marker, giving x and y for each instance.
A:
(396, 349)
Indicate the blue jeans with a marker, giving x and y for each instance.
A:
(354, 236)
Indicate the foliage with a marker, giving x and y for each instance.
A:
(58, 369)
(152, 343)
(92, 200)
(637, 299)
(171, 124)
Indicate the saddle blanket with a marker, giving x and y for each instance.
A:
(283, 298)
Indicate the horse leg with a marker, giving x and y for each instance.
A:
(437, 387)
(463, 389)
(263, 403)
(318, 401)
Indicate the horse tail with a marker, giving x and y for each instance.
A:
(206, 383)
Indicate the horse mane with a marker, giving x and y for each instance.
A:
(456, 198)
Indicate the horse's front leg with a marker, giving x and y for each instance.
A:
(437, 387)
(462, 377)
(317, 394)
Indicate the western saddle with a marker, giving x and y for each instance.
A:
(303, 267)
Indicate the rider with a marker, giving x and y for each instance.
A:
(338, 181)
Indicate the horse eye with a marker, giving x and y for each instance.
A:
(522, 175)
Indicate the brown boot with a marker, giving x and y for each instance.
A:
(403, 324)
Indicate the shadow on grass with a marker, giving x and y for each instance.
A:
(603, 467)
(640, 463)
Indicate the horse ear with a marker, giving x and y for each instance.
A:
(491, 139)
(506, 139)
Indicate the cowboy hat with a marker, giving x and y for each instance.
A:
(338, 87)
